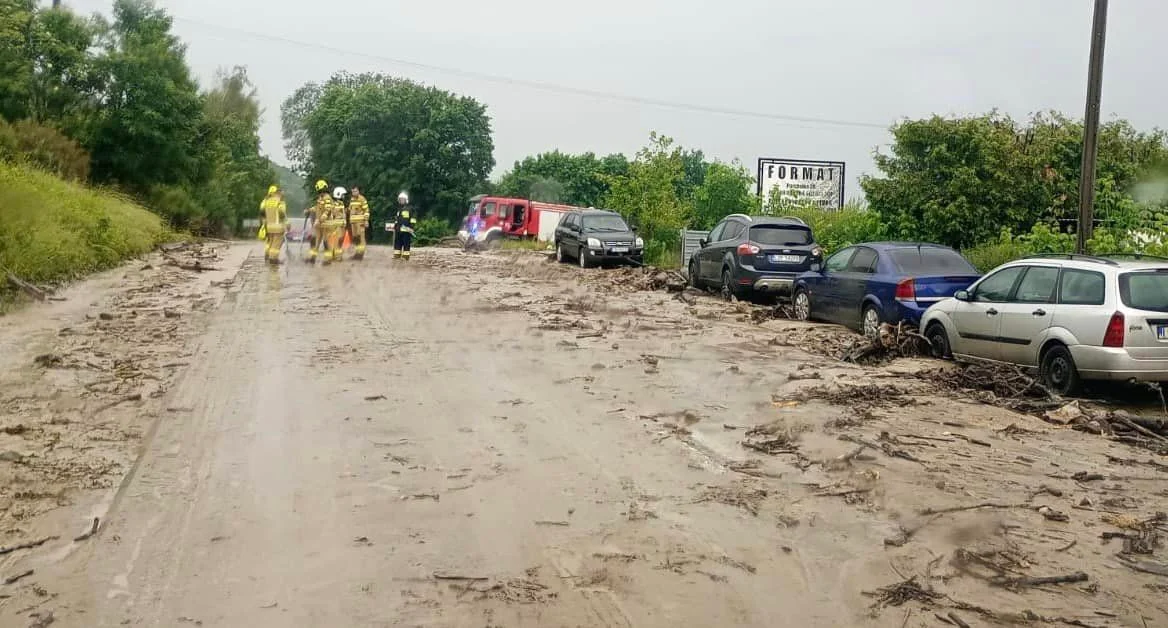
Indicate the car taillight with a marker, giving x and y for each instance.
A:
(906, 290)
(748, 249)
(1114, 335)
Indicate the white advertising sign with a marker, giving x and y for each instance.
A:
(819, 183)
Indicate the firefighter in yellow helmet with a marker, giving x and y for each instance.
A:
(358, 221)
(403, 228)
(274, 214)
(318, 213)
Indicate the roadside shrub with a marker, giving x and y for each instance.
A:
(49, 149)
(835, 230)
(988, 256)
(52, 230)
(7, 141)
(663, 253)
(432, 230)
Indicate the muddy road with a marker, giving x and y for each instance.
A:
(498, 441)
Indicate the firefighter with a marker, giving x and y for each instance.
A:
(358, 221)
(332, 226)
(403, 228)
(318, 213)
(274, 215)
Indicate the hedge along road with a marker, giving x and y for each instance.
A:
(466, 440)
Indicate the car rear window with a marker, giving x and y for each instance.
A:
(780, 235)
(1145, 290)
(931, 260)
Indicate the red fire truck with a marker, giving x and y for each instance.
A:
(493, 218)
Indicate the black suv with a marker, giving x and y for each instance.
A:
(595, 236)
(746, 254)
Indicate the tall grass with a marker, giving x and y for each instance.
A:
(52, 230)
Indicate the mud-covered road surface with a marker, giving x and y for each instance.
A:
(500, 441)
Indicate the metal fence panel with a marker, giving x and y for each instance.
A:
(690, 243)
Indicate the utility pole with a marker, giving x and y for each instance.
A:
(1091, 126)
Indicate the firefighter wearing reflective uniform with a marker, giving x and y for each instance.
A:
(333, 226)
(403, 228)
(318, 213)
(358, 221)
(274, 214)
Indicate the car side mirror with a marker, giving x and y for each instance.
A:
(702, 243)
(961, 295)
(816, 267)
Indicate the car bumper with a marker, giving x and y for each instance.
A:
(1117, 364)
(609, 254)
(766, 281)
(912, 311)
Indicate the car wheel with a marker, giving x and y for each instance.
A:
(1058, 372)
(560, 253)
(802, 302)
(938, 340)
(584, 259)
(870, 322)
(728, 290)
(694, 281)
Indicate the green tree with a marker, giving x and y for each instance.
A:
(725, 189)
(16, 67)
(65, 82)
(959, 181)
(389, 134)
(557, 177)
(295, 188)
(233, 177)
(695, 167)
(148, 131)
(647, 195)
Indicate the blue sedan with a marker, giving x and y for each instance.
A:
(869, 284)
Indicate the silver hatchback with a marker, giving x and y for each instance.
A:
(1072, 317)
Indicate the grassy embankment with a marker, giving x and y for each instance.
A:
(52, 230)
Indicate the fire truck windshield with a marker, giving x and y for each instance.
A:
(604, 222)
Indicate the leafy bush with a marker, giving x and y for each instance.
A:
(835, 230)
(988, 256)
(52, 230)
(432, 230)
(43, 147)
(8, 149)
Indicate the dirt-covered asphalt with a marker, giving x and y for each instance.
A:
(500, 441)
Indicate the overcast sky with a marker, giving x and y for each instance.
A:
(850, 60)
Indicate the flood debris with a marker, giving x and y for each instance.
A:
(997, 384)
(1017, 583)
(92, 531)
(740, 496)
(18, 577)
(27, 545)
(900, 593)
(891, 342)
(776, 437)
(40, 294)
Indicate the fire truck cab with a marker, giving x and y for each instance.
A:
(490, 219)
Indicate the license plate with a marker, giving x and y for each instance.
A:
(785, 259)
(620, 249)
(1162, 332)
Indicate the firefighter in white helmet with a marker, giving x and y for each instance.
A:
(403, 227)
(332, 224)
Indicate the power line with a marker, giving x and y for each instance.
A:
(545, 86)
